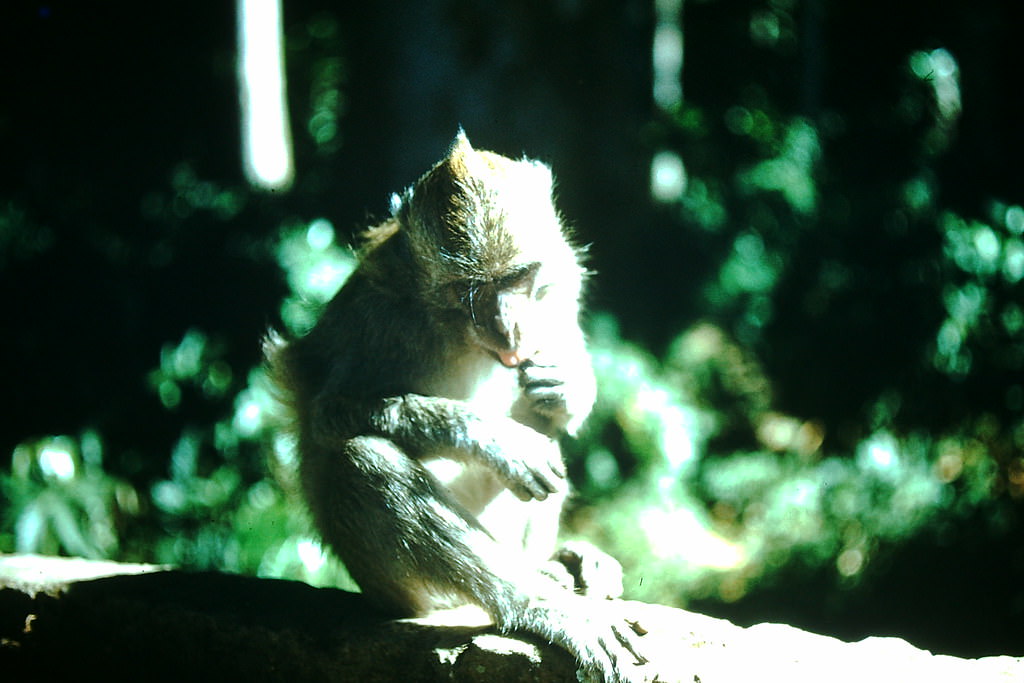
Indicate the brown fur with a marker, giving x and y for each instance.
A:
(430, 397)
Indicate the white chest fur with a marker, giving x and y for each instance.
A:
(480, 380)
(490, 389)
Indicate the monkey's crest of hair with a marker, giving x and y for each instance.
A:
(482, 213)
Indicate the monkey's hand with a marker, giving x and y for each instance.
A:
(594, 572)
(560, 394)
(544, 387)
(528, 463)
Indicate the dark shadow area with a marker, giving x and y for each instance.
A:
(943, 593)
(205, 626)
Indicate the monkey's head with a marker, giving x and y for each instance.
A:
(491, 249)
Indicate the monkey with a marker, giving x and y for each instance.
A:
(428, 403)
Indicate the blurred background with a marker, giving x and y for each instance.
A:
(806, 219)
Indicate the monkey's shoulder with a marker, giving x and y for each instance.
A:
(374, 236)
(365, 337)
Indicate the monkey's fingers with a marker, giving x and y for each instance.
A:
(627, 645)
(552, 475)
(546, 398)
(528, 485)
(546, 482)
(525, 493)
(636, 627)
(539, 489)
(557, 466)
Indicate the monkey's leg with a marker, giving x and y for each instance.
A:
(403, 538)
(408, 543)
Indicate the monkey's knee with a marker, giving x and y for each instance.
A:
(377, 510)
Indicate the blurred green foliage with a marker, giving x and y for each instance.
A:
(61, 500)
(691, 524)
(982, 297)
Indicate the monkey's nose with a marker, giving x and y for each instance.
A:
(510, 359)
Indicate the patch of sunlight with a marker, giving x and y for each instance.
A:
(1013, 318)
(1013, 260)
(91, 448)
(765, 28)
(850, 562)
(986, 246)
(320, 234)
(667, 50)
(668, 177)
(327, 100)
(940, 70)
(704, 202)
(169, 496)
(676, 426)
(192, 361)
(966, 304)
(1014, 219)
(677, 532)
(285, 450)
(951, 356)
(184, 360)
(791, 172)
(750, 269)
(602, 468)
(248, 416)
(254, 405)
(918, 194)
(266, 148)
(316, 268)
(185, 456)
(262, 495)
(56, 459)
(789, 516)
(879, 454)
(311, 554)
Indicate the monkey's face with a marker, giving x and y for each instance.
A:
(491, 251)
(502, 314)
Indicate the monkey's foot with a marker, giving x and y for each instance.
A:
(560, 575)
(606, 646)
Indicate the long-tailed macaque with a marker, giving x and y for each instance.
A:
(429, 400)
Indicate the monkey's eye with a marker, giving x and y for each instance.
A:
(459, 293)
(463, 296)
(520, 279)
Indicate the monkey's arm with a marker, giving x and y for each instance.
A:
(527, 462)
